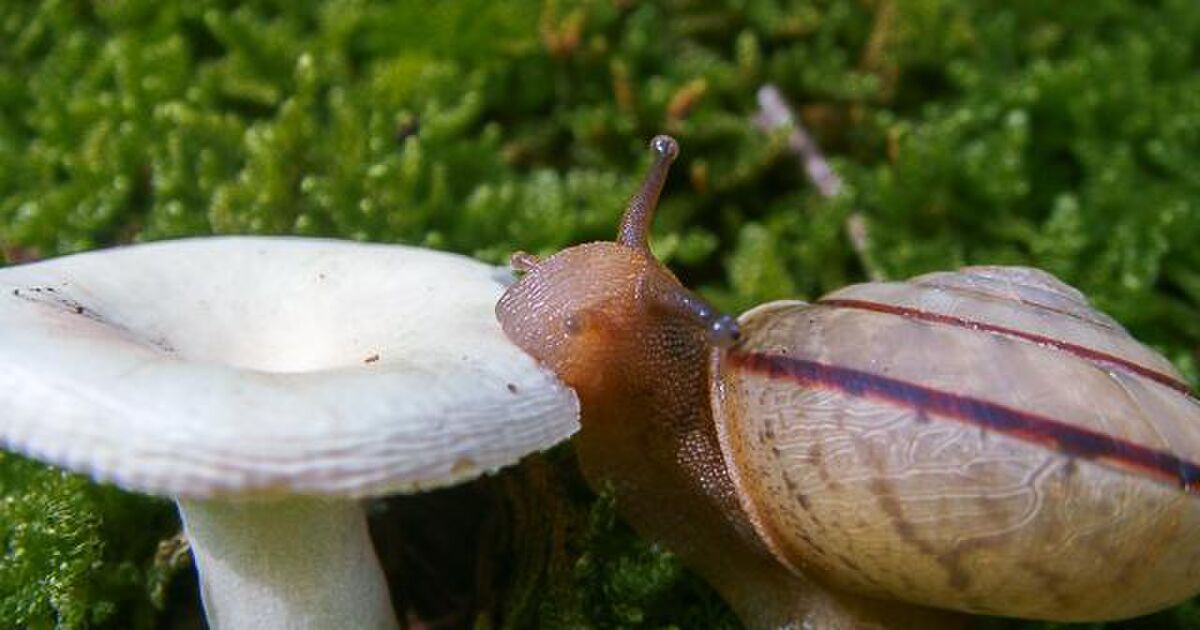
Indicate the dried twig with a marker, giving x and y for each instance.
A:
(774, 113)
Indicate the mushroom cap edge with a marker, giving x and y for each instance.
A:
(256, 367)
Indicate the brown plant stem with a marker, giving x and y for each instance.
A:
(774, 113)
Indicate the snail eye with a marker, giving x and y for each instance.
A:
(724, 331)
(582, 320)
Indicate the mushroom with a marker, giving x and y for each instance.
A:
(269, 384)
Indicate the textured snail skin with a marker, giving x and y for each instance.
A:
(980, 441)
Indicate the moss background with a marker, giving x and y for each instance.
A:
(1061, 135)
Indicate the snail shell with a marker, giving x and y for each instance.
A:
(982, 440)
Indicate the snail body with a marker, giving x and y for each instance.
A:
(981, 441)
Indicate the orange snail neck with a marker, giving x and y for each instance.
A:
(619, 328)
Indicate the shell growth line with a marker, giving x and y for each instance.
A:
(1031, 427)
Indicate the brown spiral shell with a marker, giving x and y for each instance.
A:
(982, 440)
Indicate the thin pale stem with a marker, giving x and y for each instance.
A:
(774, 113)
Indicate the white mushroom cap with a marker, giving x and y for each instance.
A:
(266, 368)
(269, 366)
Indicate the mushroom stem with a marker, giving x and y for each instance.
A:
(287, 563)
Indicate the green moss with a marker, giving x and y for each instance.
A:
(75, 555)
(49, 524)
(572, 563)
(1059, 135)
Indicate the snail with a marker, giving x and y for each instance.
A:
(896, 454)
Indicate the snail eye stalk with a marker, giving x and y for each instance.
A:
(635, 225)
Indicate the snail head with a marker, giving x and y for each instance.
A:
(582, 310)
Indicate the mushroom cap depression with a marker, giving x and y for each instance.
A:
(263, 367)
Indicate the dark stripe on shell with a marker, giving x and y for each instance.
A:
(1094, 356)
(1024, 425)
